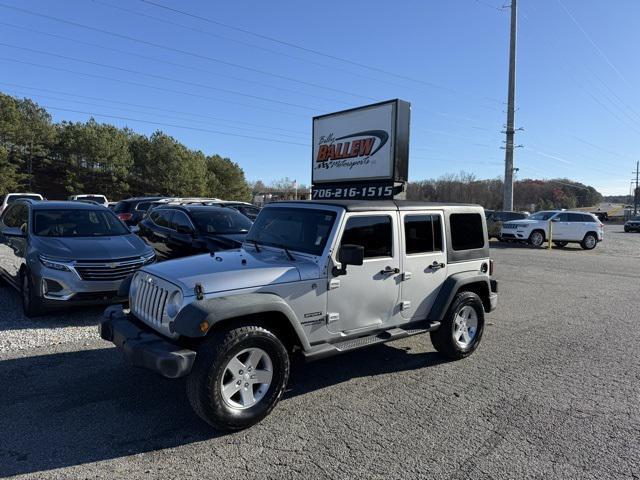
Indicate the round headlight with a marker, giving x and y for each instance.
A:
(174, 303)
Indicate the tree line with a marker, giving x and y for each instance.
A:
(528, 194)
(66, 158)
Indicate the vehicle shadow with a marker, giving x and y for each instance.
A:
(522, 245)
(67, 409)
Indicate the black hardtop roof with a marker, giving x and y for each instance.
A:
(373, 205)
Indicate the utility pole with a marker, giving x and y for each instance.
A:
(507, 201)
(635, 192)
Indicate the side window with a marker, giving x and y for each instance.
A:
(561, 217)
(22, 216)
(163, 218)
(466, 231)
(576, 217)
(588, 218)
(374, 233)
(180, 220)
(10, 216)
(423, 234)
(155, 217)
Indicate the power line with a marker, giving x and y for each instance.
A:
(110, 100)
(175, 64)
(173, 125)
(147, 113)
(309, 50)
(176, 50)
(144, 85)
(592, 42)
(159, 77)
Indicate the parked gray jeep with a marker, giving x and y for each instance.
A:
(319, 278)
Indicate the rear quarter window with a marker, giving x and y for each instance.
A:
(467, 232)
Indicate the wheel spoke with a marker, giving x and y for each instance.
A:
(230, 389)
(254, 358)
(261, 376)
(247, 396)
(465, 335)
(235, 366)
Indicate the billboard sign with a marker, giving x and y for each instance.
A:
(360, 147)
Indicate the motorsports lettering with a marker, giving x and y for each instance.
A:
(349, 151)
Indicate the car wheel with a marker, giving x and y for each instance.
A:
(536, 239)
(589, 241)
(31, 303)
(461, 330)
(626, 230)
(561, 244)
(238, 377)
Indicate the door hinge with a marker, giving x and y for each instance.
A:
(406, 275)
(334, 283)
(333, 317)
(406, 305)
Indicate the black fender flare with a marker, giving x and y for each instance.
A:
(214, 310)
(451, 286)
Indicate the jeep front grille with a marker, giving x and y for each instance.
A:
(105, 270)
(509, 225)
(150, 300)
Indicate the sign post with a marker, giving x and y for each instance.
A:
(361, 153)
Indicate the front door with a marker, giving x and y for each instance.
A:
(561, 227)
(367, 296)
(424, 266)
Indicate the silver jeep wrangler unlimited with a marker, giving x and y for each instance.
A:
(320, 278)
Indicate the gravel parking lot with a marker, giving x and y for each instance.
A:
(553, 392)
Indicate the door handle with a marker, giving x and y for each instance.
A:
(389, 271)
(436, 266)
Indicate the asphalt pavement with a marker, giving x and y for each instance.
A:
(552, 392)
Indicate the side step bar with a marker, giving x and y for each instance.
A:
(329, 349)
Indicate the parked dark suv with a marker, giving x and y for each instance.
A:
(496, 218)
(182, 230)
(61, 253)
(131, 211)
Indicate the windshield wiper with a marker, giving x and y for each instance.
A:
(285, 251)
(255, 244)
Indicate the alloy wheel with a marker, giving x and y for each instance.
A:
(246, 378)
(465, 326)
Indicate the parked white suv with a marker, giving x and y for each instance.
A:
(12, 197)
(565, 227)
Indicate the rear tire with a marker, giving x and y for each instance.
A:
(536, 239)
(461, 330)
(589, 241)
(225, 393)
(31, 304)
(561, 244)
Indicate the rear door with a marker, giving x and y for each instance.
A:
(423, 264)
(180, 244)
(579, 225)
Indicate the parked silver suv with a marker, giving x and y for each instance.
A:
(58, 253)
(321, 278)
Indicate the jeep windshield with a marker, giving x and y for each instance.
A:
(542, 216)
(77, 223)
(299, 229)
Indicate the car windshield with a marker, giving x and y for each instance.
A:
(13, 198)
(220, 221)
(77, 223)
(542, 215)
(300, 229)
(122, 207)
(635, 219)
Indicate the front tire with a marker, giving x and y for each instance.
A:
(238, 377)
(589, 241)
(461, 330)
(536, 239)
(31, 303)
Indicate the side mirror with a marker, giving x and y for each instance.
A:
(348, 255)
(185, 230)
(14, 232)
(556, 219)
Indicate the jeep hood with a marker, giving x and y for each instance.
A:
(234, 269)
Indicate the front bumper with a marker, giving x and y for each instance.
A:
(143, 347)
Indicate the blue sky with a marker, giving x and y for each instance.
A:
(577, 95)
